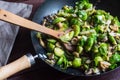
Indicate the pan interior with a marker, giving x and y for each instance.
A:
(52, 6)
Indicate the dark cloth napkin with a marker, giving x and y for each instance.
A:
(8, 32)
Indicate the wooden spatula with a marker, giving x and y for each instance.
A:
(14, 19)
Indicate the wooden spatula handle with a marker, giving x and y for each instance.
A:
(14, 67)
(12, 18)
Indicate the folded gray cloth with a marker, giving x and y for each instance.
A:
(9, 31)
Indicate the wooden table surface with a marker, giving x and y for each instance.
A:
(41, 71)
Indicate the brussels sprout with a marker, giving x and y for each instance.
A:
(97, 59)
(113, 66)
(68, 9)
(112, 39)
(86, 66)
(65, 63)
(64, 13)
(76, 54)
(103, 37)
(53, 41)
(60, 60)
(99, 29)
(82, 40)
(69, 63)
(84, 4)
(76, 29)
(115, 58)
(67, 37)
(88, 32)
(88, 6)
(98, 19)
(50, 46)
(89, 43)
(115, 21)
(58, 44)
(58, 19)
(79, 5)
(103, 49)
(82, 15)
(64, 27)
(76, 62)
(95, 49)
(118, 47)
(79, 49)
(75, 21)
(58, 52)
(38, 35)
(108, 17)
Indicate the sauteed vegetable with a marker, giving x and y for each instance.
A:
(94, 35)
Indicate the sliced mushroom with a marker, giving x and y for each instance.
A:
(69, 46)
(51, 62)
(42, 43)
(89, 71)
(114, 28)
(109, 54)
(104, 65)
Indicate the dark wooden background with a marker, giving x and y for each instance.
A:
(41, 71)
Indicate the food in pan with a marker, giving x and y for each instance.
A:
(94, 35)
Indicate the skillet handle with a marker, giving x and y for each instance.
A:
(20, 64)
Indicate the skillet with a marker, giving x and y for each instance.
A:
(44, 10)
(53, 8)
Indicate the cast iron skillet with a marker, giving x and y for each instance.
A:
(51, 7)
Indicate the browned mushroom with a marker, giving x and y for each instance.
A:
(104, 65)
(89, 71)
(69, 46)
(51, 62)
(114, 28)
